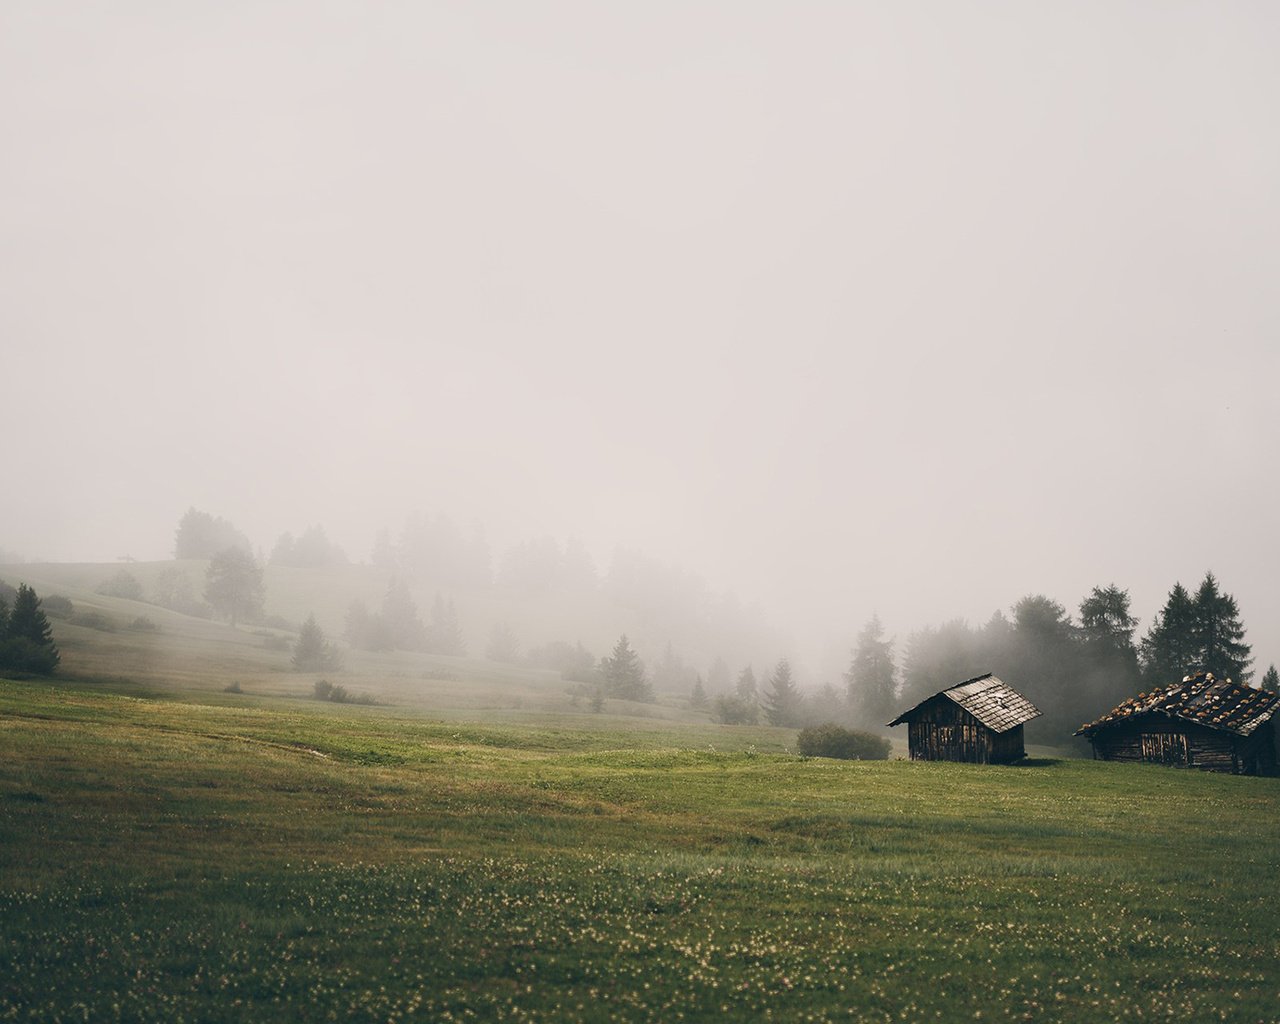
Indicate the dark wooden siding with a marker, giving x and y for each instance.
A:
(941, 730)
(1158, 739)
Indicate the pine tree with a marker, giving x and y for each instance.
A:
(698, 699)
(312, 651)
(1271, 679)
(870, 679)
(26, 643)
(746, 687)
(623, 674)
(782, 701)
(1108, 657)
(1169, 651)
(1219, 634)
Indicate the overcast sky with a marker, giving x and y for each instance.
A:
(915, 307)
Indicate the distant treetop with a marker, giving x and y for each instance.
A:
(201, 535)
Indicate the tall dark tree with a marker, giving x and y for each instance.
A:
(870, 678)
(782, 699)
(623, 674)
(233, 584)
(1219, 634)
(26, 642)
(1271, 680)
(1169, 650)
(1109, 659)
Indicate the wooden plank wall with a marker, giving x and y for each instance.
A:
(1167, 741)
(944, 731)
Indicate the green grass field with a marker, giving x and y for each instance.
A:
(475, 847)
(250, 858)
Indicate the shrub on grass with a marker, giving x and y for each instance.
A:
(93, 620)
(831, 740)
(57, 606)
(233, 687)
(121, 584)
(143, 624)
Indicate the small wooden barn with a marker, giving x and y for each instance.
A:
(1201, 722)
(979, 721)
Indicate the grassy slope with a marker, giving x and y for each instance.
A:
(212, 857)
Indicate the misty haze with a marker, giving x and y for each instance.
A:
(481, 480)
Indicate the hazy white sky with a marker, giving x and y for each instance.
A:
(909, 306)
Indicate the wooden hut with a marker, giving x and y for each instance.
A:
(1201, 722)
(979, 721)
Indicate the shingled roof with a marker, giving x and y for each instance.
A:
(1202, 699)
(990, 700)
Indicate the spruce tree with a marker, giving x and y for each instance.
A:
(1108, 663)
(623, 674)
(870, 679)
(746, 686)
(698, 699)
(1168, 651)
(1271, 679)
(1219, 634)
(782, 701)
(312, 651)
(27, 644)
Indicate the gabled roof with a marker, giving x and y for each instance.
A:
(1202, 699)
(993, 702)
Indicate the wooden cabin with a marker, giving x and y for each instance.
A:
(1201, 722)
(979, 721)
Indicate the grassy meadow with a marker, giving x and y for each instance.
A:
(476, 848)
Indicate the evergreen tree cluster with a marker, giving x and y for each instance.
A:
(1073, 670)
(26, 639)
(1192, 634)
(398, 625)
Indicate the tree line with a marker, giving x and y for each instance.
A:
(1073, 668)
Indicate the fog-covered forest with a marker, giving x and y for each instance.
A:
(639, 629)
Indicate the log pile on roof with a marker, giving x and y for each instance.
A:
(1201, 699)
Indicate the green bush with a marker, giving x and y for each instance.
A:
(831, 740)
(57, 606)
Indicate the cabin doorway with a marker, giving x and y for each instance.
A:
(1165, 748)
